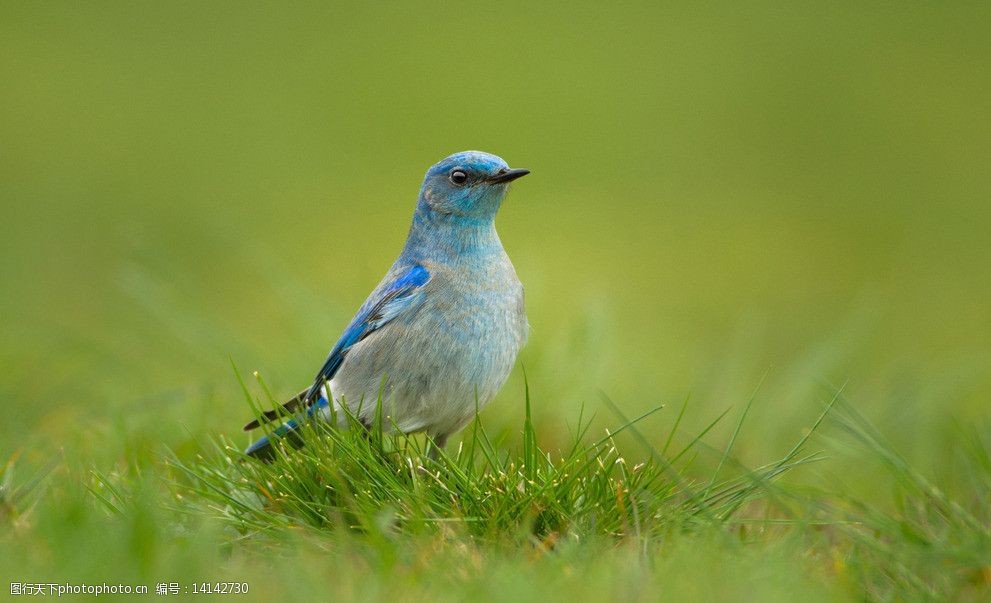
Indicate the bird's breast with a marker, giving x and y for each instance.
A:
(479, 305)
(449, 356)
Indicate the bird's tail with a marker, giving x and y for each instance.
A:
(264, 447)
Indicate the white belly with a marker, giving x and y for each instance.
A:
(433, 369)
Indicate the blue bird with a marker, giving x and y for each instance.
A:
(437, 338)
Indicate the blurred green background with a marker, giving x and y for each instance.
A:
(720, 192)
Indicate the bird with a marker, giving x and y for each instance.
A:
(439, 335)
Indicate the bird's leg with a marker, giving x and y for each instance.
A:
(436, 443)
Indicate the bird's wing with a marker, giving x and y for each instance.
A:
(390, 301)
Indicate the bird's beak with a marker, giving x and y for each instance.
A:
(506, 175)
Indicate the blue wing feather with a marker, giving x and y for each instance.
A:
(372, 315)
(390, 302)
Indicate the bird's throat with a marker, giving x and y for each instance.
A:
(450, 238)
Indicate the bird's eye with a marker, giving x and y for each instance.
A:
(459, 177)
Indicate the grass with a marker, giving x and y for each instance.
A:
(370, 481)
(624, 512)
(934, 544)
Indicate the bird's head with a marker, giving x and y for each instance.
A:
(469, 185)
